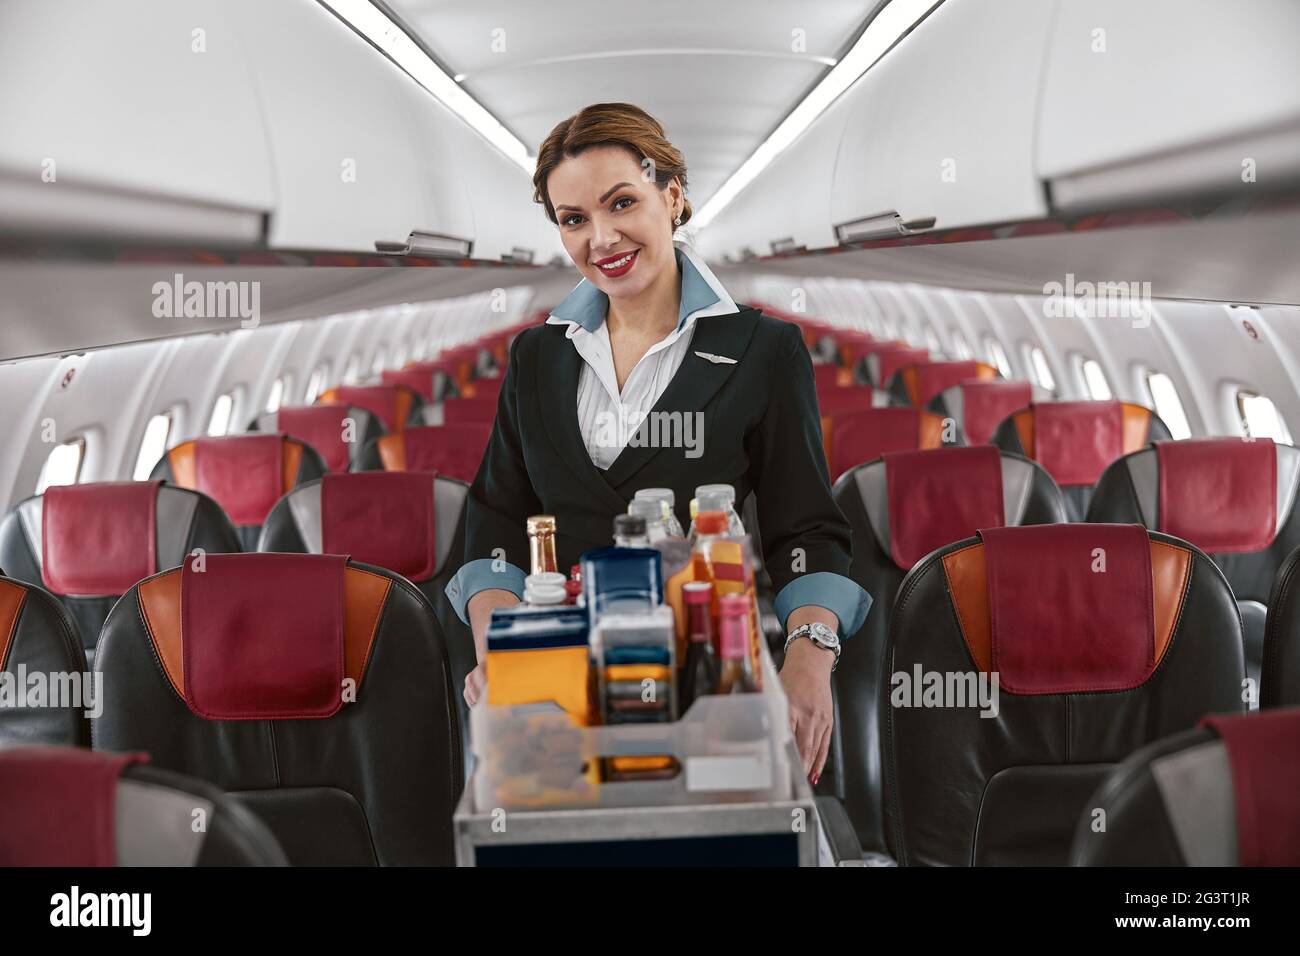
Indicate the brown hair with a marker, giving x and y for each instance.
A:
(610, 124)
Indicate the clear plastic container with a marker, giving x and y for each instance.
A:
(724, 749)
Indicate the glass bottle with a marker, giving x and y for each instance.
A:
(630, 532)
(735, 676)
(541, 544)
(701, 671)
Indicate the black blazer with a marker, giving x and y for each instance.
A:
(761, 433)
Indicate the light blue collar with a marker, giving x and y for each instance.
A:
(587, 306)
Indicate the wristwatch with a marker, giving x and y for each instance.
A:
(823, 635)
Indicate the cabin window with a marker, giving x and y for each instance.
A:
(152, 446)
(1165, 400)
(399, 355)
(1260, 417)
(417, 349)
(997, 356)
(352, 371)
(316, 384)
(223, 412)
(960, 347)
(63, 466)
(1039, 370)
(275, 398)
(1093, 379)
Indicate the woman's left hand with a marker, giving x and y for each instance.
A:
(806, 677)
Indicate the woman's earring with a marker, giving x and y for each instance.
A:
(677, 221)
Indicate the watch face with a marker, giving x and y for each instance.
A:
(825, 634)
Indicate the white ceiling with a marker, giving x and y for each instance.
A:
(719, 75)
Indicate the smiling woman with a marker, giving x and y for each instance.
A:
(650, 334)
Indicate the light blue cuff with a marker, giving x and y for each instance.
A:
(826, 589)
(482, 575)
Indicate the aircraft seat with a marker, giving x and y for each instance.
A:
(37, 635)
(901, 508)
(918, 382)
(978, 407)
(1076, 441)
(1230, 497)
(1224, 794)
(854, 438)
(454, 451)
(407, 522)
(65, 806)
(881, 360)
(87, 544)
(1101, 638)
(244, 474)
(312, 689)
(396, 406)
(1280, 667)
(338, 432)
(460, 411)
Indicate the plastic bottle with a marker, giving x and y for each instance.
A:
(652, 511)
(666, 495)
(708, 526)
(630, 532)
(721, 498)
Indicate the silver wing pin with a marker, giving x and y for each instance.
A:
(717, 359)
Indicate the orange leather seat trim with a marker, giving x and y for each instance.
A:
(182, 461)
(289, 462)
(931, 426)
(392, 452)
(1136, 426)
(1024, 421)
(909, 382)
(365, 595)
(405, 399)
(968, 588)
(12, 597)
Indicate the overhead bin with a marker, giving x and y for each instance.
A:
(940, 132)
(143, 125)
(1169, 98)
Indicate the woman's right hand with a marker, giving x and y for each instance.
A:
(475, 681)
(480, 609)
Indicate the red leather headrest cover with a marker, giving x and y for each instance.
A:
(939, 496)
(1076, 441)
(892, 358)
(99, 539)
(1264, 754)
(986, 403)
(323, 427)
(58, 805)
(837, 399)
(865, 435)
(1070, 607)
(379, 400)
(1219, 493)
(263, 636)
(452, 450)
(381, 517)
(242, 473)
(418, 377)
(933, 377)
(460, 411)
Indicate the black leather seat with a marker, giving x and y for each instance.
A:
(977, 408)
(396, 406)
(337, 432)
(455, 451)
(901, 508)
(313, 690)
(244, 474)
(1077, 441)
(1102, 638)
(87, 544)
(37, 636)
(411, 523)
(1225, 794)
(65, 806)
(1232, 498)
(917, 383)
(1280, 668)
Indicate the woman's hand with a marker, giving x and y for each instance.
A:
(806, 677)
(475, 681)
